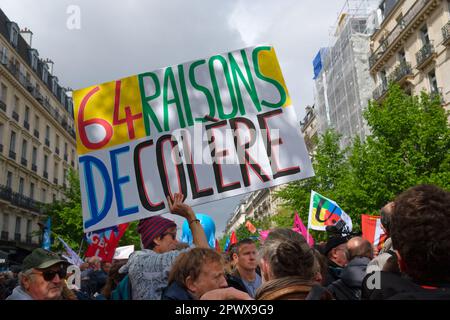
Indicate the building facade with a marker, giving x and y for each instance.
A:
(309, 128)
(256, 206)
(343, 85)
(37, 138)
(411, 47)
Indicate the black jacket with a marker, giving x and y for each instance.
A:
(348, 287)
(176, 292)
(393, 286)
(333, 274)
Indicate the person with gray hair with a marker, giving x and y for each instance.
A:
(359, 254)
(42, 277)
(289, 269)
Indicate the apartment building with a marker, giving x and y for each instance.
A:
(37, 137)
(309, 126)
(411, 47)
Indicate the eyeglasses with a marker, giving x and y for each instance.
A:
(172, 234)
(49, 275)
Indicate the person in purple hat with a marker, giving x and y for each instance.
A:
(148, 269)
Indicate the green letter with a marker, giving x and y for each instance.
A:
(216, 88)
(272, 81)
(203, 89)
(169, 77)
(249, 85)
(187, 106)
(146, 108)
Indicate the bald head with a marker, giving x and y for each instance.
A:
(386, 216)
(359, 247)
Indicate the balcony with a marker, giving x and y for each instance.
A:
(5, 235)
(26, 125)
(17, 236)
(12, 154)
(36, 133)
(404, 28)
(402, 73)
(47, 142)
(380, 92)
(45, 174)
(19, 200)
(2, 106)
(15, 116)
(23, 161)
(34, 167)
(425, 55)
(446, 34)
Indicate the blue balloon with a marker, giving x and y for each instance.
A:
(208, 225)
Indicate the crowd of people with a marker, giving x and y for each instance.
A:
(413, 264)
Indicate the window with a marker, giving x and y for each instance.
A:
(5, 222)
(34, 156)
(21, 185)
(34, 58)
(56, 172)
(1, 135)
(24, 149)
(27, 114)
(32, 190)
(36, 123)
(12, 143)
(55, 85)
(424, 35)
(4, 59)
(43, 195)
(13, 33)
(45, 163)
(29, 228)
(402, 56)
(57, 142)
(3, 93)
(44, 72)
(54, 197)
(18, 224)
(9, 180)
(383, 77)
(433, 82)
(65, 148)
(47, 132)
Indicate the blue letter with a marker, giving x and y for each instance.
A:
(117, 181)
(96, 214)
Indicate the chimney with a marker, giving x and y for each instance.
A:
(27, 35)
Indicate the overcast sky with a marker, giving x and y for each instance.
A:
(135, 36)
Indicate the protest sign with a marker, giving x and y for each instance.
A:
(211, 128)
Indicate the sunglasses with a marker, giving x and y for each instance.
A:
(49, 275)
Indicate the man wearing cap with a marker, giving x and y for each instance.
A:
(42, 277)
(336, 252)
(148, 269)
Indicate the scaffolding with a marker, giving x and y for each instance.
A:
(343, 84)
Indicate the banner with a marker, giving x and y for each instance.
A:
(372, 230)
(71, 255)
(46, 237)
(103, 243)
(250, 227)
(299, 227)
(211, 128)
(324, 212)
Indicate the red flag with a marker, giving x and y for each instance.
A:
(218, 246)
(103, 243)
(372, 231)
(299, 227)
(250, 227)
(233, 238)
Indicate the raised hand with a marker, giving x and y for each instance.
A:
(179, 208)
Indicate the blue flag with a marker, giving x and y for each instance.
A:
(227, 243)
(46, 239)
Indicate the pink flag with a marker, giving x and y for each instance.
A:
(299, 227)
(263, 234)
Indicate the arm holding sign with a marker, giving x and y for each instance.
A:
(183, 210)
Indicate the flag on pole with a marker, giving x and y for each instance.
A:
(227, 244)
(372, 230)
(263, 234)
(324, 212)
(103, 243)
(299, 227)
(218, 246)
(233, 238)
(250, 227)
(71, 255)
(46, 238)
